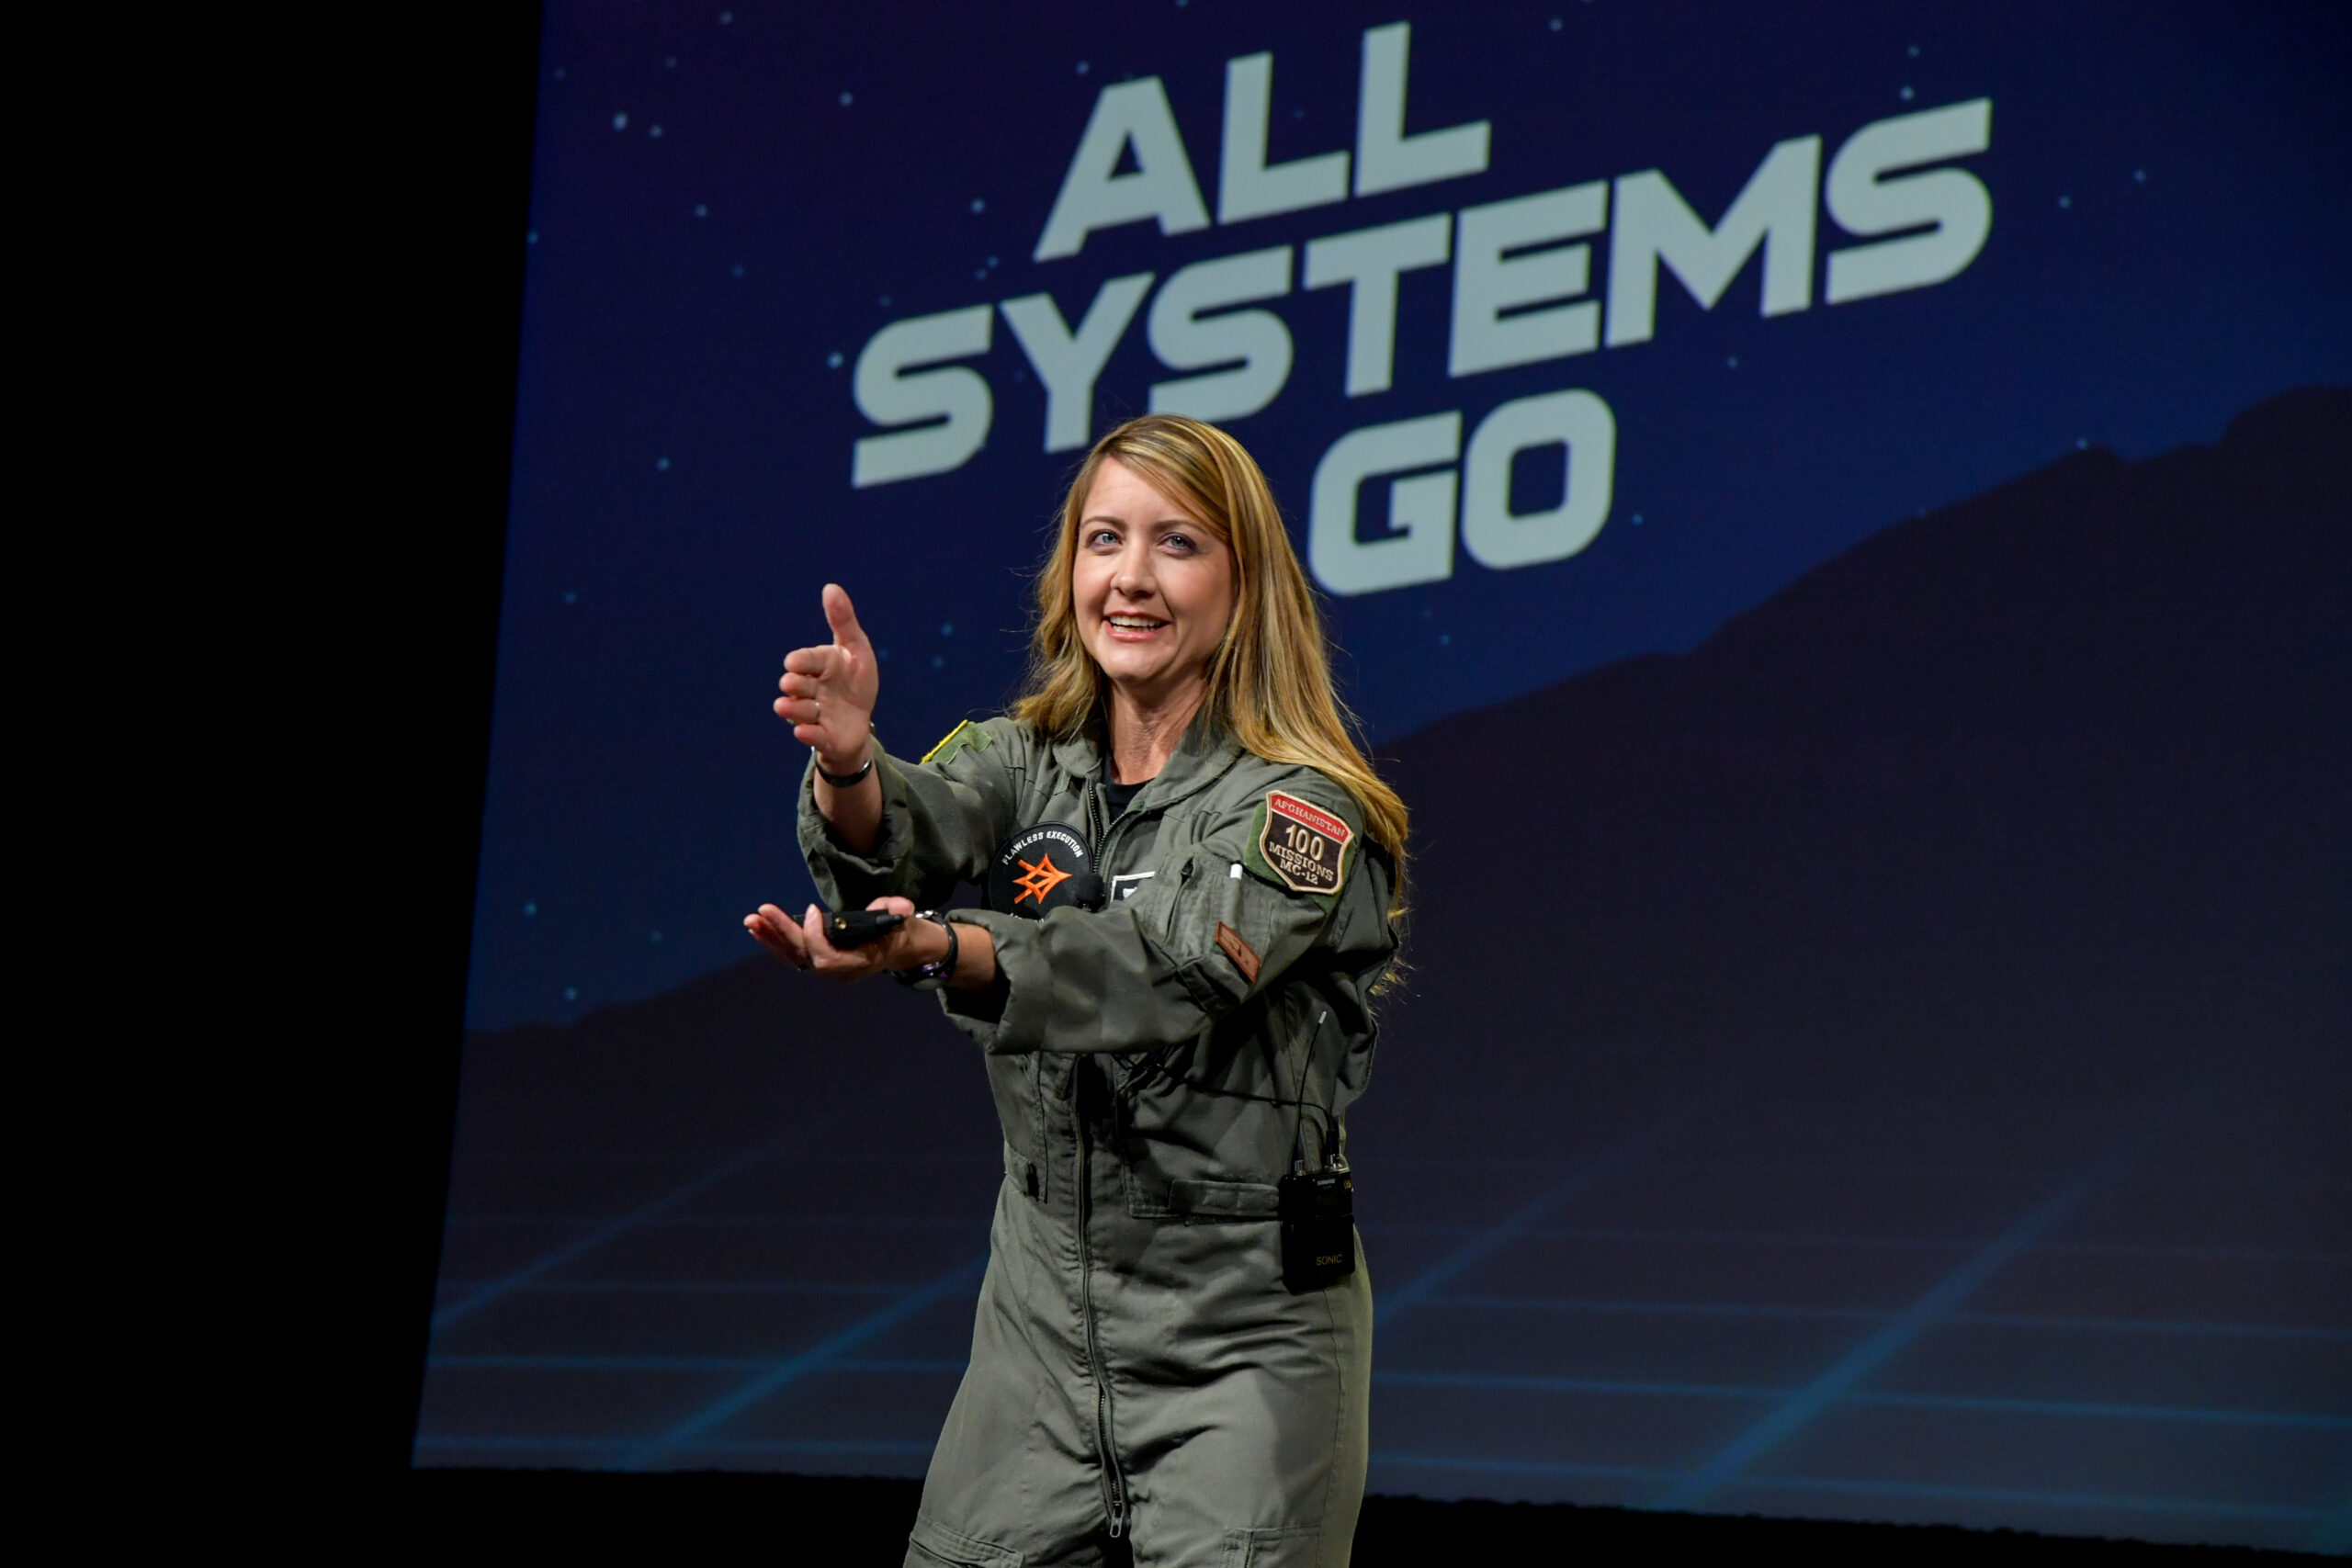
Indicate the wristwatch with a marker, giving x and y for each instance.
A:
(930, 977)
(847, 780)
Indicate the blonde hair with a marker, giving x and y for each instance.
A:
(1270, 680)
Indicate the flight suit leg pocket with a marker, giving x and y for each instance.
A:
(932, 1545)
(1290, 1546)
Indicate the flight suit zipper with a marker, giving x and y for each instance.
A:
(1114, 1481)
(1100, 829)
(1096, 829)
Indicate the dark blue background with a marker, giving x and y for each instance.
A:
(1875, 1046)
(2169, 242)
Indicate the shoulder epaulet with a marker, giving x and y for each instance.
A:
(954, 740)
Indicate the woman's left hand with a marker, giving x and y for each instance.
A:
(804, 946)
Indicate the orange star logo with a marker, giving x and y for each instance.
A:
(1042, 879)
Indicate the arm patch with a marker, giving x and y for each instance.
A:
(1245, 957)
(1296, 844)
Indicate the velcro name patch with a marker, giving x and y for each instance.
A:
(1305, 846)
(1244, 956)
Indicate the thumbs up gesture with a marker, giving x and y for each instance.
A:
(829, 692)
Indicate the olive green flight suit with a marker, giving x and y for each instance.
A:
(1137, 1365)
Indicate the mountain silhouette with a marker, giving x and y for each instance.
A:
(2052, 782)
(2049, 782)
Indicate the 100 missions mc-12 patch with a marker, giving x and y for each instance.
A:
(1300, 845)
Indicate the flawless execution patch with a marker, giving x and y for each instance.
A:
(1044, 868)
(1303, 846)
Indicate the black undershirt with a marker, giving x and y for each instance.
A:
(1119, 795)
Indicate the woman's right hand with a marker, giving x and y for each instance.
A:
(829, 692)
(803, 944)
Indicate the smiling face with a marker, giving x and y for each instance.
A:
(1152, 587)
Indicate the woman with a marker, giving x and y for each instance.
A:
(1192, 877)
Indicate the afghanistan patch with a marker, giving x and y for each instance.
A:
(1301, 845)
(954, 740)
(1044, 868)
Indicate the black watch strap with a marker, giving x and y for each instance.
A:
(847, 780)
(930, 977)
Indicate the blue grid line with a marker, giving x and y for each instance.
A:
(1485, 1242)
(508, 1443)
(2020, 1495)
(1524, 1466)
(702, 1157)
(586, 1446)
(548, 1261)
(1590, 1305)
(1667, 1165)
(580, 1157)
(2069, 1407)
(1876, 1350)
(744, 1221)
(2210, 1254)
(1528, 1383)
(2207, 1182)
(1708, 1238)
(1598, 1307)
(1540, 1232)
(1922, 1243)
(2105, 1411)
(814, 1446)
(522, 1362)
(687, 1288)
(2156, 1325)
(1513, 1381)
(1880, 1314)
(690, 1431)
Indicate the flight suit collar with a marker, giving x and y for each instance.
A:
(1204, 753)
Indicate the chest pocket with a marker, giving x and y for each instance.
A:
(1204, 886)
(1174, 867)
